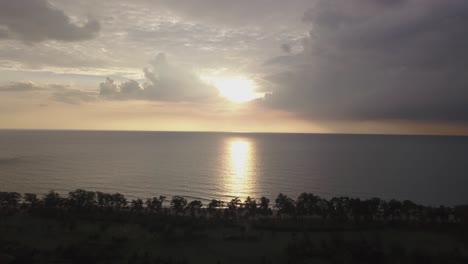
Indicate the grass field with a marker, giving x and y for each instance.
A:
(138, 238)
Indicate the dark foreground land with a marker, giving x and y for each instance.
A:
(90, 227)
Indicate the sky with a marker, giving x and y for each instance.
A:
(318, 66)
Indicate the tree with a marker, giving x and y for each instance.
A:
(52, 199)
(339, 207)
(284, 204)
(154, 204)
(9, 199)
(137, 204)
(215, 204)
(178, 203)
(394, 208)
(374, 206)
(118, 200)
(250, 204)
(82, 198)
(307, 204)
(31, 199)
(195, 204)
(104, 199)
(409, 208)
(265, 205)
(234, 204)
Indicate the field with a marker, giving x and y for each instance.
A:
(58, 236)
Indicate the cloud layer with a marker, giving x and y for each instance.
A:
(346, 62)
(378, 60)
(37, 20)
(164, 82)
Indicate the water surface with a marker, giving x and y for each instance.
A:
(426, 169)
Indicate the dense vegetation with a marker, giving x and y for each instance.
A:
(96, 227)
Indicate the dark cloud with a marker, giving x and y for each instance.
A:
(38, 20)
(165, 82)
(374, 60)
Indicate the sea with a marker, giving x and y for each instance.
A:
(431, 170)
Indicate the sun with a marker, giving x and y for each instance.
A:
(237, 90)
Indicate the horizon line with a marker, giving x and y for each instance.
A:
(230, 132)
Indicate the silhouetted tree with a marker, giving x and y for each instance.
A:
(137, 204)
(118, 200)
(307, 204)
(154, 204)
(284, 204)
(250, 204)
(104, 199)
(9, 199)
(52, 199)
(339, 207)
(374, 206)
(194, 206)
(178, 203)
(82, 198)
(394, 208)
(265, 205)
(215, 204)
(31, 199)
(409, 209)
(324, 208)
(234, 204)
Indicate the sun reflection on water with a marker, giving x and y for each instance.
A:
(239, 167)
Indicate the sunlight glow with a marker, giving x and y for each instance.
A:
(239, 157)
(239, 164)
(237, 90)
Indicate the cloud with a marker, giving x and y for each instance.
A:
(164, 82)
(56, 92)
(378, 60)
(74, 96)
(240, 12)
(38, 20)
(21, 87)
(286, 48)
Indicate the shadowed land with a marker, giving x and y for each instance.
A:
(95, 227)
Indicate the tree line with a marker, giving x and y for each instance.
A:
(306, 205)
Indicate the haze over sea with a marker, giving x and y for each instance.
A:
(426, 169)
